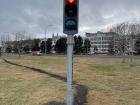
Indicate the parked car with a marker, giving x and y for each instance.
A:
(36, 53)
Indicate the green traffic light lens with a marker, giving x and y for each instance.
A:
(71, 25)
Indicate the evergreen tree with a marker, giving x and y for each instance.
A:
(87, 46)
(9, 49)
(78, 44)
(75, 45)
(26, 49)
(35, 46)
(61, 45)
(137, 46)
(42, 46)
(49, 45)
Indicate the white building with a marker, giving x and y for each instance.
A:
(100, 41)
(55, 38)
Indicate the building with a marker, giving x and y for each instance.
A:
(100, 41)
(55, 38)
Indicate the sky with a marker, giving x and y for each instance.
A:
(38, 16)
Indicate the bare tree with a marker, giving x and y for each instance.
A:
(5, 40)
(124, 41)
(134, 29)
(120, 39)
(19, 37)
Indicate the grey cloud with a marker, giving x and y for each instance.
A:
(39, 15)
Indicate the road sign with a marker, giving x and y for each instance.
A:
(70, 17)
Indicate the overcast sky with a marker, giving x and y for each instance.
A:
(36, 16)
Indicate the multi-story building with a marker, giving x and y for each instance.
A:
(100, 41)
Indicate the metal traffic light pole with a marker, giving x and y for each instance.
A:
(70, 44)
(70, 27)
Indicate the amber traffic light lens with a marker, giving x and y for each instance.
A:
(71, 11)
(71, 1)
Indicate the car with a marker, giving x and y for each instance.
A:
(36, 53)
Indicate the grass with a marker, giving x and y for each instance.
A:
(19, 86)
(110, 82)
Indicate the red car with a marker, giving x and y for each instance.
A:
(36, 53)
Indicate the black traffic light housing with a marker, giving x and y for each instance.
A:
(71, 15)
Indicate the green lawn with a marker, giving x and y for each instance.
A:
(110, 82)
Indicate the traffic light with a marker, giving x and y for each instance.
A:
(71, 14)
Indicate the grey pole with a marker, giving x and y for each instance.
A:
(70, 44)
